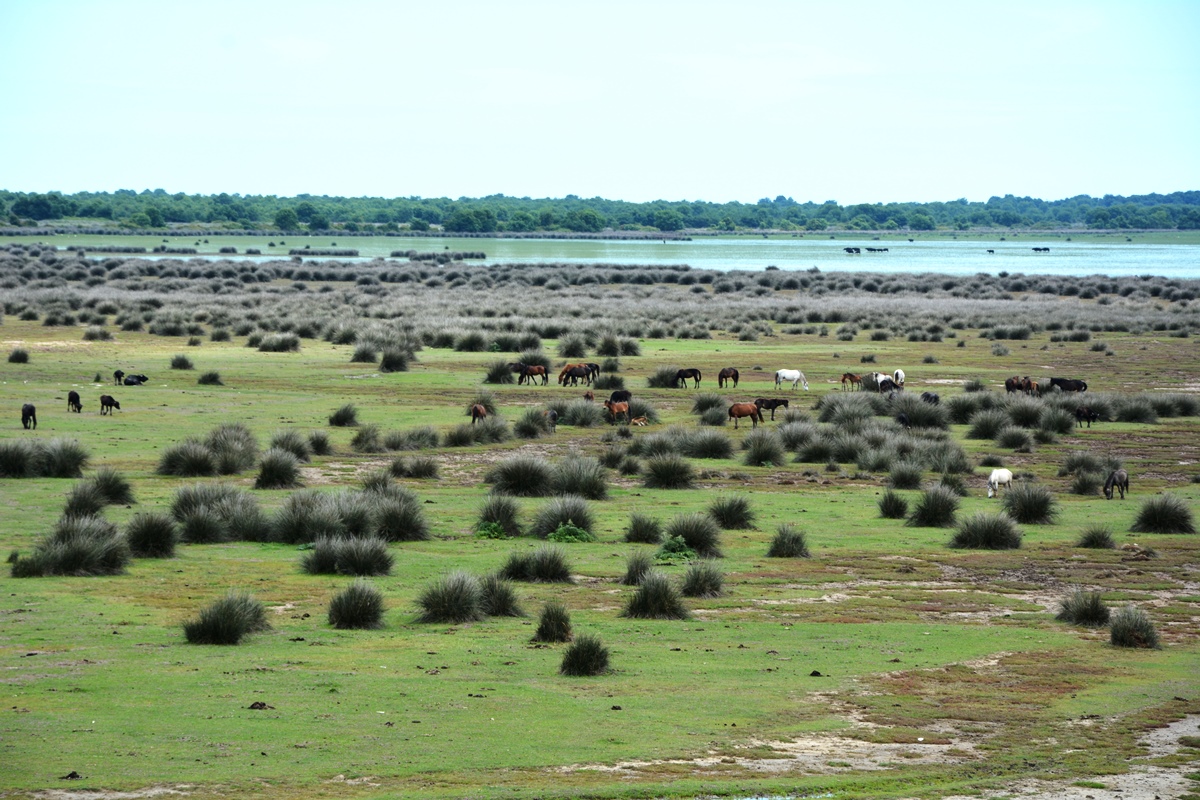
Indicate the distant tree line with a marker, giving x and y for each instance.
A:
(500, 213)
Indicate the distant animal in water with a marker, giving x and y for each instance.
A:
(1041, 249)
(991, 251)
(589, 396)
(751, 410)
(107, 404)
(725, 375)
(617, 410)
(551, 419)
(684, 375)
(794, 376)
(1068, 384)
(135, 380)
(1119, 480)
(73, 402)
(854, 381)
(931, 398)
(770, 404)
(898, 377)
(478, 412)
(29, 416)
(117, 376)
(1084, 414)
(638, 421)
(999, 477)
(620, 396)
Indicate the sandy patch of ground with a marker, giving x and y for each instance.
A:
(180, 790)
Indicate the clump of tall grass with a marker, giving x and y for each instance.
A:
(278, 469)
(1029, 504)
(319, 444)
(567, 509)
(456, 597)
(706, 401)
(643, 529)
(358, 606)
(763, 449)
(702, 579)
(1131, 627)
(499, 597)
(789, 542)
(398, 516)
(531, 424)
(986, 531)
(732, 512)
(83, 500)
(698, 531)
(18, 355)
(345, 417)
(234, 448)
(1016, 439)
(82, 546)
(181, 362)
(987, 424)
(714, 417)
(227, 621)
(501, 511)
(580, 476)
(936, 508)
(585, 657)
(498, 371)
(668, 472)
(190, 458)
(1086, 483)
(892, 506)
(279, 343)
(655, 598)
(522, 476)
(1096, 537)
(663, 377)
(211, 378)
(394, 360)
(343, 555)
(292, 441)
(422, 437)
(418, 467)
(547, 564)
(151, 535)
(1166, 513)
(1083, 608)
(367, 439)
(906, 475)
(554, 623)
(59, 458)
(637, 565)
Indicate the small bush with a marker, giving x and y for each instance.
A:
(906, 475)
(394, 360)
(706, 401)
(294, 442)
(18, 355)
(189, 459)
(418, 467)
(643, 529)
(789, 542)
(84, 500)
(531, 425)
(181, 362)
(565, 509)
(702, 579)
(669, 472)
(1096, 537)
(936, 509)
(579, 476)
(698, 532)
(547, 564)
(344, 417)
(1087, 483)
(663, 377)
(732, 512)
(1165, 513)
(1083, 608)
(61, 458)
(227, 620)
(1029, 504)
(763, 449)
(1131, 627)
(367, 440)
(1016, 439)
(319, 444)
(714, 417)
(554, 624)
(499, 598)
(358, 606)
(498, 372)
(567, 533)
(398, 516)
(522, 476)
(585, 657)
(985, 531)
(151, 535)
(636, 566)
(655, 598)
(422, 437)
(279, 343)
(279, 469)
(455, 598)
(892, 506)
(987, 423)
(210, 379)
(502, 511)
(344, 555)
(82, 546)
(234, 448)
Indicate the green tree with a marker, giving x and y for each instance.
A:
(585, 220)
(318, 222)
(306, 211)
(418, 224)
(286, 219)
(668, 219)
(155, 216)
(921, 222)
(521, 221)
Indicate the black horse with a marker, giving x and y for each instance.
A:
(73, 402)
(1084, 414)
(1068, 384)
(1119, 480)
(770, 404)
(29, 416)
(576, 374)
(620, 396)
(684, 375)
(931, 398)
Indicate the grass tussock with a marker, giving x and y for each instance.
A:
(522, 476)
(702, 578)
(151, 535)
(1083, 608)
(656, 598)
(1131, 627)
(986, 531)
(567, 509)
(732, 512)
(359, 606)
(892, 505)
(936, 508)
(668, 472)
(698, 531)
(637, 565)
(554, 624)
(227, 621)
(586, 657)
(83, 546)
(279, 469)
(643, 529)
(1030, 504)
(499, 597)
(789, 542)
(454, 598)
(1166, 513)
(1096, 537)
(547, 564)
(344, 417)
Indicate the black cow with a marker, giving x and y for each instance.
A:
(770, 404)
(107, 404)
(29, 416)
(135, 380)
(117, 376)
(1084, 414)
(73, 403)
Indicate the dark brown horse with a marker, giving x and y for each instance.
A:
(739, 410)
(725, 375)
(770, 404)
(562, 376)
(478, 412)
(684, 375)
(531, 372)
(1014, 384)
(1084, 414)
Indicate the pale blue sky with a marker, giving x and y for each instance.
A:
(849, 101)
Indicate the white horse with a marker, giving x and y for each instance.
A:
(898, 377)
(1000, 477)
(793, 375)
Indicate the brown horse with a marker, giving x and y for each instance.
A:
(562, 376)
(589, 396)
(478, 412)
(739, 410)
(531, 372)
(617, 409)
(725, 375)
(855, 381)
(1013, 384)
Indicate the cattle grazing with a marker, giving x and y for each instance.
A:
(1119, 480)
(852, 250)
(751, 410)
(638, 421)
(589, 396)
(726, 375)
(898, 377)
(117, 376)
(795, 376)
(620, 396)
(931, 398)
(1084, 414)
(551, 419)
(1068, 384)
(684, 375)
(28, 416)
(73, 402)
(107, 404)
(478, 412)
(998, 478)
(617, 410)
(770, 404)
(135, 380)
(854, 381)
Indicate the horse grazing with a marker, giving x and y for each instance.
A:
(1119, 480)
(1084, 414)
(898, 377)
(725, 375)
(617, 409)
(620, 396)
(684, 375)
(931, 398)
(589, 396)
(29, 416)
(593, 371)
(770, 404)
(1014, 384)
(999, 477)
(107, 404)
(117, 376)
(855, 381)
(751, 410)
(551, 419)
(478, 412)
(73, 402)
(795, 376)
(1068, 384)
(575, 373)
(530, 372)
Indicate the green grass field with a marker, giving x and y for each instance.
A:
(946, 667)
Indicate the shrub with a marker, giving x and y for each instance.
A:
(579, 476)
(702, 579)
(1056, 420)
(398, 516)
(585, 657)
(485, 398)
(789, 542)
(181, 362)
(663, 377)
(203, 526)
(280, 343)
(422, 437)
(522, 476)
(714, 417)
(366, 440)
(498, 372)
(502, 511)
(61, 458)
(655, 598)
(227, 620)
(936, 508)
(319, 444)
(151, 535)
(219, 335)
(1087, 483)
(499, 597)
(567, 533)
(358, 606)
(1131, 627)
(1080, 461)
(1165, 513)
(547, 564)
(1029, 504)
(344, 417)
(643, 529)
(706, 401)
(83, 500)
(233, 447)
(1083, 608)
(554, 624)
(292, 441)
(1096, 537)
(472, 342)
(531, 425)
(905, 475)
(763, 449)
(419, 467)
(456, 597)
(636, 567)
(698, 532)
(364, 353)
(490, 430)
(189, 459)
(279, 469)
(19, 355)
(732, 512)
(892, 506)
(367, 555)
(1016, 439)
(668, 472)
(985, 531)
(703, 443)
(565, 509)
(394, 360)
(82, 546)
(210, 379)
(18, 458)
(986, 424)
